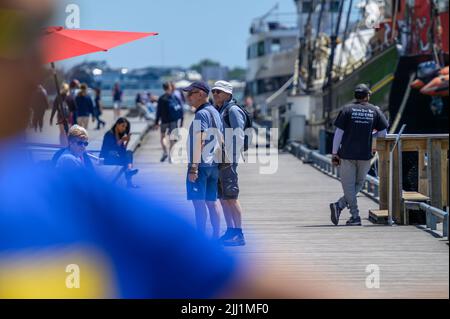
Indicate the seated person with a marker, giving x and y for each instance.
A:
(114, 149)
(74, 156)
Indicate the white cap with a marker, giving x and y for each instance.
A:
(223, 86)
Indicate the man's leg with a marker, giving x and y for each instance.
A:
(213, 209)
(227, 213)
(162, 141)
(363, 168)
(200, 214)
(348, 181)
(236, 212)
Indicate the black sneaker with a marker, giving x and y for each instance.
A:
(354, 221)
(164, 157)
(228, 234)
(335, 213)
(131, 172)
(236, 240)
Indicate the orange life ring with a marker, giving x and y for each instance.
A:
(417, 84)
(437, 87)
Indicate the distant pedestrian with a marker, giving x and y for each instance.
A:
(98, 108)
(235, 119)
(74, 89)
(117, 100)
(352, 149)
(167, 119)
(141, 106)
(39, 105)
(203, 171)
(85, 107)
(62, 110)
(179, 97)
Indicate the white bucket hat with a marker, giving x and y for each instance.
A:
(223, 86)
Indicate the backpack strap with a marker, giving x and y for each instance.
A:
(221, 141)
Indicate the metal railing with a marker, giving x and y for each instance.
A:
(323, 164)
(433, 215)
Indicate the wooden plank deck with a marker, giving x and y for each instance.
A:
(286, 221)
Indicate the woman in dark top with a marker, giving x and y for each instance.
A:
(114, 149)
(98, 109)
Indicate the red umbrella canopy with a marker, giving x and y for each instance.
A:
(59, 43)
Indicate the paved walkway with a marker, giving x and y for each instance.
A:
(286, 220)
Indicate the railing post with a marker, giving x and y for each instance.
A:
(445, 226)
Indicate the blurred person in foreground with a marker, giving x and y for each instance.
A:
(76, 228)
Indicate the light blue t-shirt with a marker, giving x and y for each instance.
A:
(233, 118)
(203, 122)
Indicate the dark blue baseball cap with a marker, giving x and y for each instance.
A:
(362, 88)
(198, 85)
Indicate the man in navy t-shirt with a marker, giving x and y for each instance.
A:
(203, 147)
(352, 149)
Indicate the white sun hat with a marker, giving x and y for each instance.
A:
(223, 86)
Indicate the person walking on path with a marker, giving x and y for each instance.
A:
(352, 149)
(74, 89)
(85, 107)
(62, 110)
(98, 108)
(117, 100)
(233, 120)
(180, 99)
(203, 171)
(39, 105)
(166, 119)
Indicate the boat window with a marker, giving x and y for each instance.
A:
(334, 6)
(275, 46)
(261, 48)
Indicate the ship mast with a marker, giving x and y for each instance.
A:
(328, 75)
(312, 52)
(304, 40)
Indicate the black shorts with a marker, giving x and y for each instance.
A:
(228, 186)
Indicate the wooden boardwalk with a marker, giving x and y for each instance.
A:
(286, 221)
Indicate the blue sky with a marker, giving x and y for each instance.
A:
(189, 30)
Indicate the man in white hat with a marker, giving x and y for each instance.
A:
(234, 122)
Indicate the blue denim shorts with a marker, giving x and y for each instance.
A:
(205, 187)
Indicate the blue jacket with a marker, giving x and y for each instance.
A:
(85, 107)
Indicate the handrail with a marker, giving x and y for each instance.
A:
(324, 164)
(433, 215)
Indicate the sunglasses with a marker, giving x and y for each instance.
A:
(192, 93)
(216, 91)
(82, 143)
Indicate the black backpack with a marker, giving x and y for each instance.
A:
(248, 124)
